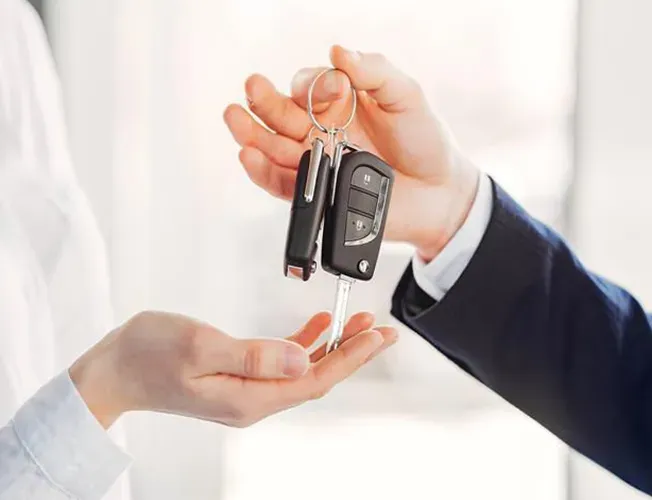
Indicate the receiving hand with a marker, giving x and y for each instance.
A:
(173, 364)
(435, 184)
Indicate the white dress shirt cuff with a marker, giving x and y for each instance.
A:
(438, 276)
(67, 443)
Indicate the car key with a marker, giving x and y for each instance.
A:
(353, 198)
(306, 214)
(355, 221)
(354, 224)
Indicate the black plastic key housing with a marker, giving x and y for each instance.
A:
(355, 222)
(306, 219)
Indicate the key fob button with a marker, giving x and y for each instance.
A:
(366, 178)
(362, 202)
(357, 226)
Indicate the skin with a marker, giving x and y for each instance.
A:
(174, 364)
(435, 183)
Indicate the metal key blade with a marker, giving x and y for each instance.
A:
(339, 312)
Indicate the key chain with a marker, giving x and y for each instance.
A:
(350, 192)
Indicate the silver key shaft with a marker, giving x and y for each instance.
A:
(339, 312)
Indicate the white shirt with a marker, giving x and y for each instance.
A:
(54, 294)
(439, 275)
(54, 299)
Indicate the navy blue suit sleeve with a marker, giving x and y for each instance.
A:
(565, 346)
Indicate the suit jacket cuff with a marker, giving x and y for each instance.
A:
(465, 320)
(438, 276)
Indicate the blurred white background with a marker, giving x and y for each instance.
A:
(145, 84)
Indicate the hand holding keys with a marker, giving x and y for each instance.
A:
(350, 192)
(434, 183)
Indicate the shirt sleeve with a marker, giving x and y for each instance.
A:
(440, 274)
(54, 448)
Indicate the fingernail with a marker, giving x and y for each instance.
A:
(331, 83)
(354, 55)
(295, 362)
(377, 339)
(300, 79)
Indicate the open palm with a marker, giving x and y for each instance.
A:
(245, 400)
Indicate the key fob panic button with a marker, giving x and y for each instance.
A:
(357, 226)
(366, 178)
(362, 202)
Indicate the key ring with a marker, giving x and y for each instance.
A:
(342, 132)
(310, 110)
(330, 135)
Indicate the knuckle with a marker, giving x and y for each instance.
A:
(253, 361)
(284, 109)
(279, 152)
(139, 324)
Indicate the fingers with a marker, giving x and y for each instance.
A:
(264, 359)
(276, 110)
(373, 73)
(358, 323)
(311, 331)
(332, 369)
(391, 337)
(344, 361)
(351, 355)
(348, 358)
(276, 180)
(247, 132)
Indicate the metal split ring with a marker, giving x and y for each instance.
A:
(310, 107)
(330, 135)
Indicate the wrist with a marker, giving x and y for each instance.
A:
(96, 379)
(461, 194)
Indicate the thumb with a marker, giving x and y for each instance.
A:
(328, 89)
(266, 359)
(392, 89)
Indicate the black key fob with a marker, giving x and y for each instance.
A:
(355, 221)
(307, 212)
